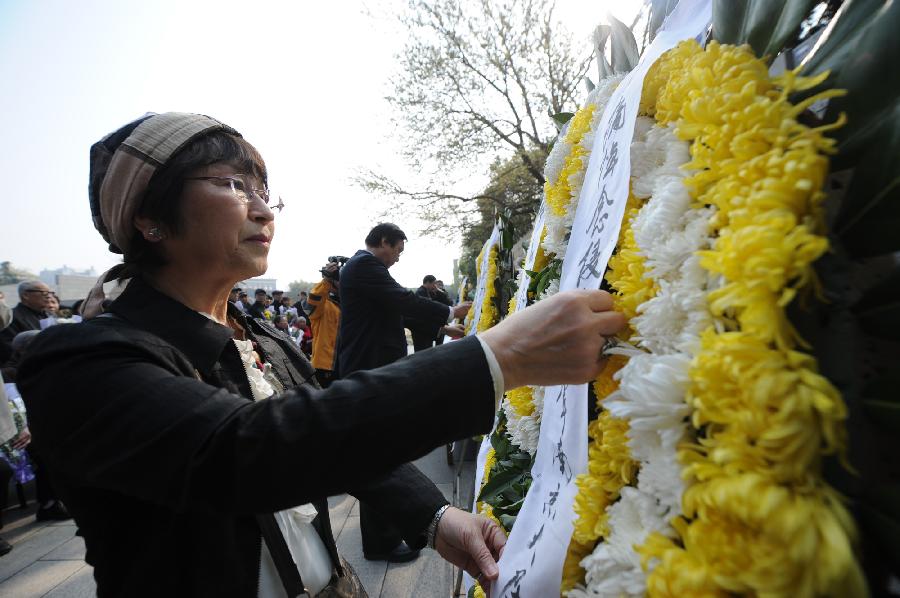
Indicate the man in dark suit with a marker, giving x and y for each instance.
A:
(371, 335)
(425, 333)
(34, 298)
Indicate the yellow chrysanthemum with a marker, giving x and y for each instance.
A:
(489, 315)
(558, 193)
(762, 410)
(541, 259)
(627, 275)
(758, 518)
(572, 573)
(522, 400)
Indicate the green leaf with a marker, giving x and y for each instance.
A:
(521, 460)
(601, 36)
(513, 506)
(884, 414)
(501, 444)
(764, 24)
(859, 49)
(885, 530)
(508, 521)
(869, 215)
(659, 10)
(886, 499)
(561, 118)
(499, 482)
(883, 387)
(623, 46)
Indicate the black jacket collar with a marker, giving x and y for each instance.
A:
(201, 339)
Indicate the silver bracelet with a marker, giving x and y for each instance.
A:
(431, 533)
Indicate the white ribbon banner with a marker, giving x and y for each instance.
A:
(481, 288)
(532, 561)
(530, 256)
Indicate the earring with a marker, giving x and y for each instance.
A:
(155, 234)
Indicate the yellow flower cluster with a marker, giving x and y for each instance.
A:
(559, 192)
(541, 259)
(490, 459)
(758, 518)
(522, 400)
(489, 314)
(627, 275)
(610, 468)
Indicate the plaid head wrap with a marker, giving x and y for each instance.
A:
(122, 164)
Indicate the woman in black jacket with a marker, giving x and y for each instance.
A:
(191, 443)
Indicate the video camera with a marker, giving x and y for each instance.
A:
(340, 260)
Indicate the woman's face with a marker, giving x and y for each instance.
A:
(219, 232)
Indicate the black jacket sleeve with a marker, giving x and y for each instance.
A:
(119, 416)
(375, 282)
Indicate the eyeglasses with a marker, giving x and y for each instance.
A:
(243, 189)
(43, 293)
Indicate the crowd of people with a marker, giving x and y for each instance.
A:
(217, 427)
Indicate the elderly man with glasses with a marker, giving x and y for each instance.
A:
(34, 298)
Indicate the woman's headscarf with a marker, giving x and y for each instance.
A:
(122, 164)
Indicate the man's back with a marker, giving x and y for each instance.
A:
(372, 308)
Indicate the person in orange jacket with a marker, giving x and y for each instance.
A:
(324, 319)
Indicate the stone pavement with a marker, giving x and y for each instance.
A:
(47, 559)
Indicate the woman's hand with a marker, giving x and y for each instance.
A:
(472, 542)
(454, 330)
(22, 440)
(555, 341)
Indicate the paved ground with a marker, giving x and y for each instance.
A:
(48, 559)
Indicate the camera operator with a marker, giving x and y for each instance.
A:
(324, 311)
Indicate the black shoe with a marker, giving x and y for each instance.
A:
(401, 554)
(5, 547)
(55, 512)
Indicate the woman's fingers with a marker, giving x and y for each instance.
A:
(556, 341)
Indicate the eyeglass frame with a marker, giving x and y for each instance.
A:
(262, 194)
(44, 293)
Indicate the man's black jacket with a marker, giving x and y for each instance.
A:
(23, 318)
(373, 306)
(149, 438)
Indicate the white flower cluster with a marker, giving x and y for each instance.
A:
(525, 430)
(652, 385)
(558, 227)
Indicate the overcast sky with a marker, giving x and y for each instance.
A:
(302, 81)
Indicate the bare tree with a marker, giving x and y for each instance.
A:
(477, 80)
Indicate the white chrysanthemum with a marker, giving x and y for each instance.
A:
(660, 477)
(614, 568)
(524, 431)
(651, 398)
(658, 153)
(556, 241)
(557, 158)
(552, 289)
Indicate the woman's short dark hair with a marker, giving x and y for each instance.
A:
(385, 231)
(161, 202)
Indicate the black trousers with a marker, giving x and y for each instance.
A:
(422, 339)
(6, 474)
(378, 536)
(43, 490)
